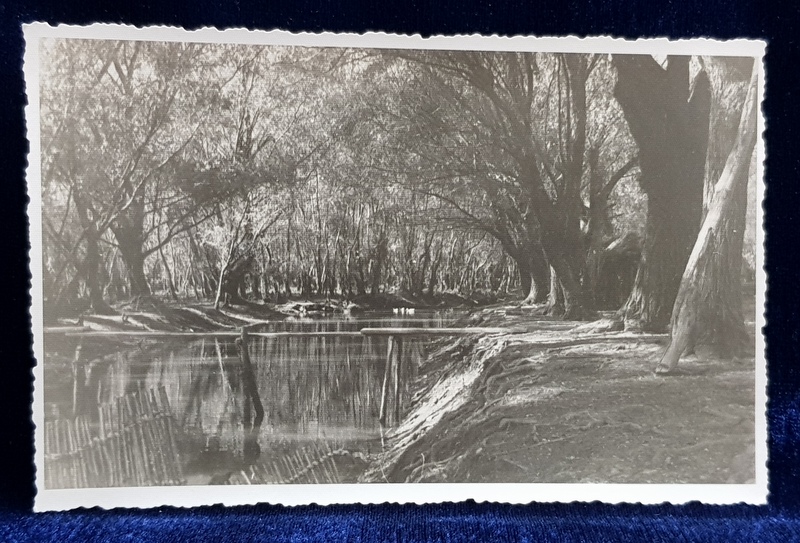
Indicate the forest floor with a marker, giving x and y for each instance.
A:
(561, 402)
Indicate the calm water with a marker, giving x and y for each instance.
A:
(319, 391)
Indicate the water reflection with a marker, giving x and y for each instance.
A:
(311, 390)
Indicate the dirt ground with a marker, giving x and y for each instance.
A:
(559, 406)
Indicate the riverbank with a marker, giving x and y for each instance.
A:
(549, 401)
(156, 315)
(556, 403)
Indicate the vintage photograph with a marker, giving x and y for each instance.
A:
(274, 263)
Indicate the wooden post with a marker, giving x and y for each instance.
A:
(249, 384)
(48, 455)
(384, 388)
(247, 403)
(397, 366)
(173, 445)
(77, 382)
(122, 445)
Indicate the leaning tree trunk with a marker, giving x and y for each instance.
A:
(708, 307)
(231, 280)
(670, 127)
(218, 295)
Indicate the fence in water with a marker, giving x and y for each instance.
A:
(315, 463)
(321, 379)
(134, 443)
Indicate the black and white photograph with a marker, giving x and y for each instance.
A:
(288, 268)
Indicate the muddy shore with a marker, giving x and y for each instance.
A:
(157, 315)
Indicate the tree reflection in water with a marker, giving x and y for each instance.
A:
(315, 390)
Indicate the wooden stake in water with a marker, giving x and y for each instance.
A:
(249, 378)
(397, 368)
(173, 445)
(77, 386)
(385, 387)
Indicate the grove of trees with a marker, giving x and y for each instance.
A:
(576, 182)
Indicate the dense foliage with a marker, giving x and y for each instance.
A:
(199, 171)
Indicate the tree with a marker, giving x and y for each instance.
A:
(708, 306)
(117, 117)
(236, 231)
(602, 245)
(669, 122)
(409, 170)
(479, 118)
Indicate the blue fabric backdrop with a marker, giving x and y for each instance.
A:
(779, 521)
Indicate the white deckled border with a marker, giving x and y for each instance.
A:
(188, 496)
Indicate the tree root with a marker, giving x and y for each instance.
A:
(672, 451)
(505, 422)
(516, 465)
(504, 376)
(731, 420)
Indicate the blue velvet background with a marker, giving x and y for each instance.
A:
(779, 521)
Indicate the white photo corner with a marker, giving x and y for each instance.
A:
(332, 268)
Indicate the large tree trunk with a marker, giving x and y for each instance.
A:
(599, 230)
(129, 231)
(570, 258)
(670, 128)
(534, 275)
(91, 262)
(560, 237)
(708, 307)
(566, 262)
(533, 270)
(231, 280)
(576, 304)
(555, 296)
(559, 220)
(666, 247)
(380, 254)
(92, 266)
(134, 261)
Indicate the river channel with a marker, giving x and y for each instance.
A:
(319, 393)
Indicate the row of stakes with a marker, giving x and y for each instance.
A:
(305, 465)
(134, 444)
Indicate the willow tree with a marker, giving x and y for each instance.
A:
(501, 138)
(668, 117)
(117, 117)
(708, 306)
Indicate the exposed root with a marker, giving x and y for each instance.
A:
(505, 422)
(580, 401)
